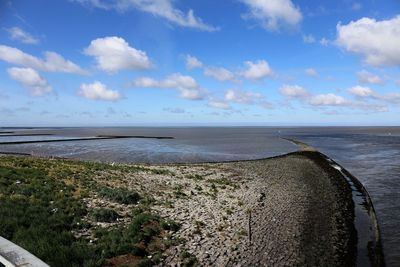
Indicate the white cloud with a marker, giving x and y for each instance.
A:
(324, 41)
(220, 74)
(192, 62)
(256, 70)
(274, 14)
(53, 62)
(367, 77)
(294, 91)
(328, 100)
(362, 91)
(308, 39)
(159, 8)
(218, 104)
(22, 36)
(30, 79)
(98, 91)
(378, 42)
(114, 54)
(323, 101)
(311, 72)
(185, 85)
(242, 97)
(392, 98)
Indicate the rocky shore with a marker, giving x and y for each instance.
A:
(291, 210)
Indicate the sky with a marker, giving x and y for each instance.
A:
(190, 62)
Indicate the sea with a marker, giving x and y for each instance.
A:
(372, 154)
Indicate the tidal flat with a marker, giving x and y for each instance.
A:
(290, 210)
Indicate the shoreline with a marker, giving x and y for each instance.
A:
(241, 240)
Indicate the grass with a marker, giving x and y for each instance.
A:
(120, 195)
(188, 259)
(196, 177)
(104, 215)
(42, 208)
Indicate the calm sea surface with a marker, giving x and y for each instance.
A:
(372, 154)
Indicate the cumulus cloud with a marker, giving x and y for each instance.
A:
(366, 77)
(328, 100)
(98, 91)
(294, 91)
(220, 104)
(239, 97)
(311, 72)
(393, 98)
(53, 62)
(377, 42)
(256, 70)
(159, 8)
(187, 87)
(31, 80)
(220, 74)
(192, 62)
(19, 34)
(114, 54)
(362, 91)
(322, 101)
(243, 97)
(274, 14)
(308, 39)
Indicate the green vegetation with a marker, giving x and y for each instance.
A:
(196, 177)
(104, 215)
(42, 210)
(188, 259)
(120, 195)
(178, 192)
(223, 182)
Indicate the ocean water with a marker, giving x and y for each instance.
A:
(372, 154)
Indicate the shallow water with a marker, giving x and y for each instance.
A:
(372, 154)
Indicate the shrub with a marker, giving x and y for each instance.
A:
(120, 195)
(104, 215)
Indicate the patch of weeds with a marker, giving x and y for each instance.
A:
(222, 181)
(242, 232)
(178, 192)
(41, 206)
(169, 241)
(188, 259)
(39, 214)
(199, 225)
(120, 195)
(104, 215)
(196, 177)
(229, 211)
(198, 188)
(221, 227)
(162, 172)
(170, 225)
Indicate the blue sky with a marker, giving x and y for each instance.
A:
(176, 62)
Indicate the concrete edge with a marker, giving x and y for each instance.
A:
(12, 255)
